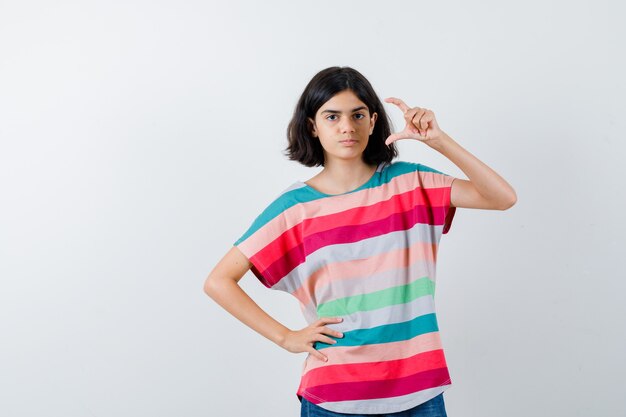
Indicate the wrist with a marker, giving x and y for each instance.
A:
(443, 142)
(282, 337)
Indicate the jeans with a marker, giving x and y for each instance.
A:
(434, 407)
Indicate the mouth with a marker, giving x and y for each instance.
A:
(348, 141)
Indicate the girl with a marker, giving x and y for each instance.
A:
(357, 246)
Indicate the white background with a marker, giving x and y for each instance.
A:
(139, 139)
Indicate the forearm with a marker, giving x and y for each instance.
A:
(486, 181)
(228, 294)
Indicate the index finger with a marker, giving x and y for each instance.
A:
(324, 320)
(398, 103)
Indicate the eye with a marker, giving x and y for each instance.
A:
(359, 116)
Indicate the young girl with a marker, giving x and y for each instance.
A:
(357, 246)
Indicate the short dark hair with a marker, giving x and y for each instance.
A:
(307, 149)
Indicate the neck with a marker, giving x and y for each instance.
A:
(346, 175)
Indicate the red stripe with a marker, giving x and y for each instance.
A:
(379, 370)
(366, 390)
(400, 212)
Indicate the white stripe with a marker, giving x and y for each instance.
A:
(384, 405)
(365, 248)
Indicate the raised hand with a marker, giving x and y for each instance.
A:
(420, 124)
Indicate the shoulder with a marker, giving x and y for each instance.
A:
(274, 207)
(406, 166)
(401, 167)
(280, 201)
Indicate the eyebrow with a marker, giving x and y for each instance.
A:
(353, 110)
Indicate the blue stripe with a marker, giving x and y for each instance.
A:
(386, 333)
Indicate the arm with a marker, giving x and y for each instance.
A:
(222, 285)
(485, 188)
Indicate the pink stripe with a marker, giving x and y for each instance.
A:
(295, 214)
(366, 390)
(285, 262)
(370, 353)
(359, 268)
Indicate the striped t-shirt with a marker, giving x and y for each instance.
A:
(369, 256)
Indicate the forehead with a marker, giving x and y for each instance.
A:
(344, 101)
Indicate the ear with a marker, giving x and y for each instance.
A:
(373, 122)
(313, 127)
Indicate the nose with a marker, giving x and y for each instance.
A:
(347, 125)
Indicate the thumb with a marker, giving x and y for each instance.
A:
(317, 354)
(392, 138)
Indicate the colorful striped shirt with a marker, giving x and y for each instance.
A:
(369, 256)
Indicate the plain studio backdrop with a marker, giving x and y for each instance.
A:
(139, 140)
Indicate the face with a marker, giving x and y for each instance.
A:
(343, 125)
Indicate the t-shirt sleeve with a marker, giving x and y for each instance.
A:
(261, 243)
(441, 185)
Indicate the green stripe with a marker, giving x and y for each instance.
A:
(394, 332)
(370, 301)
